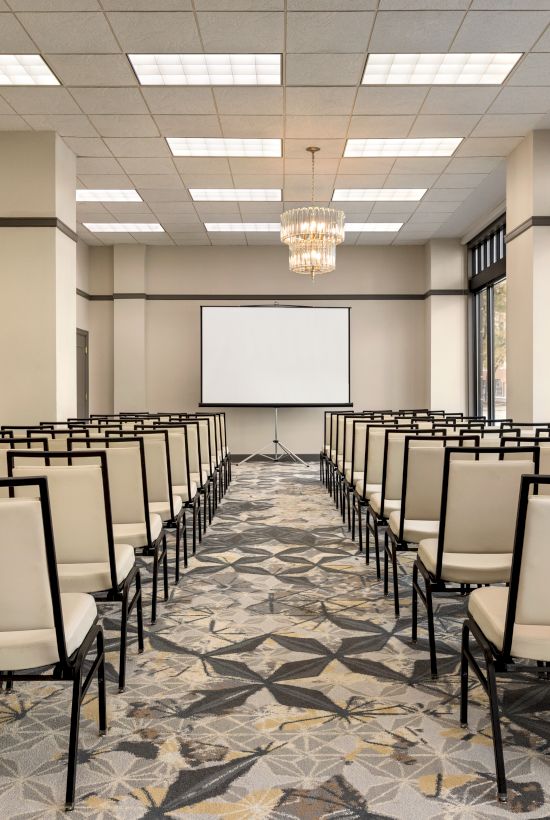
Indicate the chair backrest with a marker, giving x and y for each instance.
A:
(333, 432)
(392, 462)
(528, 602)
(374, 453)
(179, 457)
(29, 586)
(80, 509)
(346, 455)
(480, 500)
(157, 462)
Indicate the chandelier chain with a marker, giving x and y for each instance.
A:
(312, 177)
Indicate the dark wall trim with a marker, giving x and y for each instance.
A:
(532, 222)
(38, 222)
(266, 297)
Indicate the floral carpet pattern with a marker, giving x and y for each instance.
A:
(277, 684)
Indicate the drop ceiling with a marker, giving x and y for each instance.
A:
(118, 129)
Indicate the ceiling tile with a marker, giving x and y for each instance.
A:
(88, 147)
(302, 165)
(151, 165)
(143, 181)
(180, 125)
(203, 165)
(180, 100)
(127, 211)
(319, 101)
(328, 127)
(387, 126)
(249, 100)
(147, 5)
(227, 239)
(192, 180)
(6, 109)
(521, 100)
(456, 195)
(257, 181)
(420, 165)
(414, 31)
(240, 5)
(156, 196)
(511, 5)
(67, 125)
(444, 125)
(390, 99)
(97, 165)
(330, 32)
(509, 30)
(459, 180)
(10, 122)
(366, 165)
(129, 147)
(91, 69)
(329, 147)
(331, 5)
(241, 31)
(473, 165)
(423, 5)
(394, 180)
(180, 239)
(91, 212)
(458, 100)
(161, 31)
(534, 69)
(487, 147)
(13, 39)
(124, 125)
(398, 211)
(324, 69)
(105, 181)
(51, 100)
(258, 165)
(298, 187)
(70, 32)
(250, 126)
(111, 101)
(359, 181)
(505, 125)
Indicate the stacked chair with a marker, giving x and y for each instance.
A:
(79, 501)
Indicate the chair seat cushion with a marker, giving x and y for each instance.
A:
(357, 476)
(369, 489)
(162, 508)
(182, 491)
(467, 567)
(136, 534)
(413, 531)
(390, 504)
(33, 648)
(200, 480)
(487, 606)
(96, 577)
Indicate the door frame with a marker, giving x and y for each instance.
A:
(86, 336)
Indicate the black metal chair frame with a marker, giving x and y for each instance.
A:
(433, 583)
(68, 668)
(501, 662)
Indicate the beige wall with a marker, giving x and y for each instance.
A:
(388, 365)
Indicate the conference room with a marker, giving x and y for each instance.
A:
(274, 409)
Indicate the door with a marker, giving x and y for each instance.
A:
(82, 403)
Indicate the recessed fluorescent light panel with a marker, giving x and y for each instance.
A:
(124, 227)
(25, 69)
(378, 194)
(218, 147)
(430, 147)
(438, 69)
(243, 227)
(377, 227)
(235, 194)
(207, 69)
(110, 195)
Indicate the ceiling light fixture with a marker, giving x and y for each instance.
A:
(108, 195)
(242, 227)
(219, 147)
(235, 194)
(376, 227)
(378, 194)
(25, 69)
(420, 147)
(438, 69)
(312, 233)
(124, 227)
(207, 69)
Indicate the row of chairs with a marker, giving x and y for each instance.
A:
(469, 495)
(78, 500)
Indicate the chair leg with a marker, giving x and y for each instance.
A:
(195, 526)
(101, 690)
(395, 579)
(502, 790)
(139, 612)
(73, 740)
(155, 583)
(353, 519)
(178, 544)
(183, 524)
(464, 675)
(165, 567)
(431, 628)
(349, 507)
(123, 637)
(360, 526)
(414, 624)
(386, 570)
(376, 548)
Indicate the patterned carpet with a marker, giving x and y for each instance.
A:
(277, 684)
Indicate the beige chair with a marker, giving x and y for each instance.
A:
(511, 625)
(44, 634)
(182, 484)
(88, 560)
(477, 522)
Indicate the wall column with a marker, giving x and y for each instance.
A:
(528, 278)
(37, 278)
(446, 326)
(130, 363)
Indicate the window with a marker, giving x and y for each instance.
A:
(487, 268)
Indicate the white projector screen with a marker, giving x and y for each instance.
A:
(275, 356)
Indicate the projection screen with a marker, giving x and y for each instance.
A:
(275, 356)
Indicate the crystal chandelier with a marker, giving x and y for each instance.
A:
(312, 234)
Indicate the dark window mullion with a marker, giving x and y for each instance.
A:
(490, 353)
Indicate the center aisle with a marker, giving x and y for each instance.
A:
(277, 684)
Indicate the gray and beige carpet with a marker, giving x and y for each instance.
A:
(277, 684)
